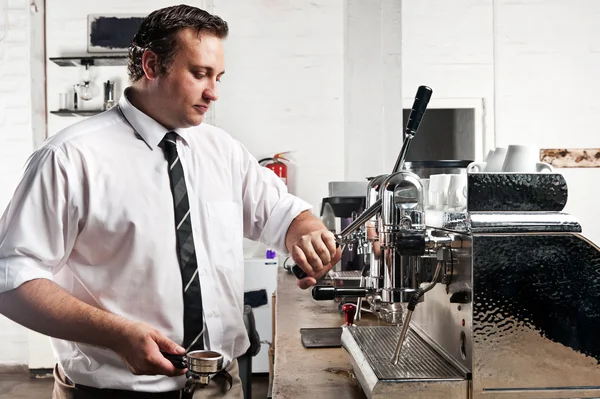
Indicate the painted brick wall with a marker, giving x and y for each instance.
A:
(16, 140)
(547, 83)
(448, 45)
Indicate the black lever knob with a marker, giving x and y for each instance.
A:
(418, 109)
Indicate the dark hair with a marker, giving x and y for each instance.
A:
(158, 32)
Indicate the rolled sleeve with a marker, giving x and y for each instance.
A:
(19, 270)
(278, 223)
(40, 225)
(268, 207)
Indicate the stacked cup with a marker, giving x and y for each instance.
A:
(513, 159)
(447, 192)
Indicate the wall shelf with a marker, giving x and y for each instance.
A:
(76, 112)
(92, 60)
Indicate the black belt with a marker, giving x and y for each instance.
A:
(126, 394)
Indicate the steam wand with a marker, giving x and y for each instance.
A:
(412, 304)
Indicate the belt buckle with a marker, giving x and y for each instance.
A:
(195, 379)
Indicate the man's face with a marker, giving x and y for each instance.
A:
(187, 89)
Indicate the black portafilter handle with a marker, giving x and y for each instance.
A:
(177, 360)
(299, 273)
(328, 293)
(418, 109)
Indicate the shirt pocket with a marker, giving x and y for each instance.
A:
(225, 234)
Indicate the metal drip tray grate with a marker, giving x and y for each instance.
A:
(418, 361)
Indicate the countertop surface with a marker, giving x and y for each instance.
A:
(308, 373)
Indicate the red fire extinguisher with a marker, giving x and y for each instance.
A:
(275, 164)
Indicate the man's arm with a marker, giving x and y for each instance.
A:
(283, 221)
(43, 306)
(312, 247)
(48, 201)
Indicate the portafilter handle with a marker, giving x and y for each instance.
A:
(351, 228)
(179, 361)
(299, 273)
(414, 120)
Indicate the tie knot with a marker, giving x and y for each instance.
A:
(170, 138)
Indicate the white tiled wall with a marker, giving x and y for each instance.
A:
(291, 82)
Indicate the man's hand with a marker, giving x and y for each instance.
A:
(316, 254)
(43, 306)
(140, 350)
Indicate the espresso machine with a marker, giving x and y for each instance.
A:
(500, 300)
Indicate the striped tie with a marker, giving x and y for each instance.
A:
(193, 323)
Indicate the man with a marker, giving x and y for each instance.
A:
(124, 237)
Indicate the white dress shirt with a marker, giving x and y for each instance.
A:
(94, 213)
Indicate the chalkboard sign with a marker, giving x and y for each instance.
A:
(112, 33)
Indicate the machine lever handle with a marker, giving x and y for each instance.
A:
(414, 120)
(299, 273)
(418, 109)
(352, 227)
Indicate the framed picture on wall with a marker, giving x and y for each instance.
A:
(112, 33)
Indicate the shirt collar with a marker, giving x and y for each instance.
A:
(147, 128)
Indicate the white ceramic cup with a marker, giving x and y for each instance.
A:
(438, 191)
(488, 156)
(426, 183)
(524, 159)
(457, 198)
(494, 163)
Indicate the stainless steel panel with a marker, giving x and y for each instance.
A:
(574, 393)
(536, 314)
(448, 324)
(523, 222)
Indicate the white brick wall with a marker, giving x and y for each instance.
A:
(448, 45)
(283, 89)
(372, 87)
(15, 140)
(547, 85)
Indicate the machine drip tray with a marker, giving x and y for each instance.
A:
(418, 360)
